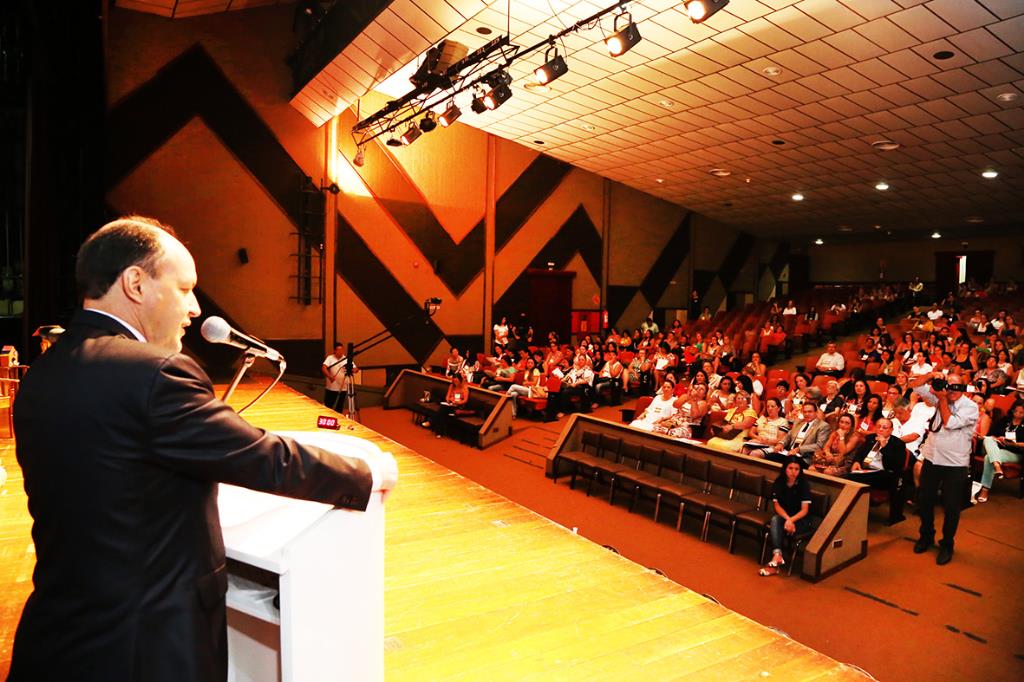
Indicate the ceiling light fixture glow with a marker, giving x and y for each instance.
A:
(885, 145)
(819, 241)
(882, 186)
(623, 39)
(1007, 97)
(989, 173)
(798, 197)
(554, 67)
(701, 10)
(450, 115)
(936, 235)
(771, 71)
(720, 172)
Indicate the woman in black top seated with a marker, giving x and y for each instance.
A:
(791, 498)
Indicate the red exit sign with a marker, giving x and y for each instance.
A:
(325, 422)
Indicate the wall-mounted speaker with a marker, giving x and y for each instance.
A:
(243, 256)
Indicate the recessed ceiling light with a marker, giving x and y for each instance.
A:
(943, 55)
(882, 186)
(877, 227)
(845, 228)
(720, 172)
(660, 181)
(538, 141)
(990, 173)
(1006, 96)
(484, 31)
(819, 241)
(974, 219)
(771, 71)
(885, 145)
(536, 87)
(667, 103)
(588, 126)
(798, 197)
(936, 235)
(727, 204)
(778, 142)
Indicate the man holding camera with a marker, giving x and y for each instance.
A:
(946, 451)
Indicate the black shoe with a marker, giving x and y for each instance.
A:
(922, 545)
(901, 518)
(945, 555)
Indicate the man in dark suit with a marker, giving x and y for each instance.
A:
(122, 443)
(881, 462)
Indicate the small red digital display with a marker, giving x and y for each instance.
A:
(325, 422)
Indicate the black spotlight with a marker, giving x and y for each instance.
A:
(477, 105)
(449, 116)
(428, 122)
(623, 40)
(700, 10)
(500, 94)
(410, 135)
(393, 142)
(553, 69)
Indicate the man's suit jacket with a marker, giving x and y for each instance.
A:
(815, 439)
(122, 445)
(894, 454)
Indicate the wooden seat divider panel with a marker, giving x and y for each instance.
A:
(493, 409)
(839, 540)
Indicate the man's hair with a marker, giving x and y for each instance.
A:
(128, 241)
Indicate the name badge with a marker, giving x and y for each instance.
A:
(1011, 435)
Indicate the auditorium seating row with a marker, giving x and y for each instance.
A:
(717, 488)
(487, 416)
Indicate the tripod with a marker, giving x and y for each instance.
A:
(430, 308)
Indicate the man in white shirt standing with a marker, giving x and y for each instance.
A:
(335, 376)
(946, 451)
(831, 362)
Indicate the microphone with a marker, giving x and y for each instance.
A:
(217, 330)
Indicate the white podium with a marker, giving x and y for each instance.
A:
(326, 565)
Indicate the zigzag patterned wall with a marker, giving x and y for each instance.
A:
(545, 213)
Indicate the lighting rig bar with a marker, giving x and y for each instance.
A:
(405, 109)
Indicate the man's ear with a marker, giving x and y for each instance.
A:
(131, 281)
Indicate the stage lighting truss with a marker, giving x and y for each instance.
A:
(485, 71)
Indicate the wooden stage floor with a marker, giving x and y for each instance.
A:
(480, 588)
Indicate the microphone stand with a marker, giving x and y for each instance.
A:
(247, 361)
(430, 308)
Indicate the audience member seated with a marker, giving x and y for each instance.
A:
(722, 397)
(791, 501)
(454, 401)
(879, 462)
(503, 375)
(920, 366)
(735, 428)
(995, 377)
(661, 407)
(577, 383)
(756, 366)
(835, 456)
(833, 402)
(798, 397)
(831, 362)
(610, 375)
(790, 308)
(807, 436)
(1005, 443)
(527, 389)
(769, 430)
(456, 363)
(868, 415)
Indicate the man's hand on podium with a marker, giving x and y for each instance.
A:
(384, 469)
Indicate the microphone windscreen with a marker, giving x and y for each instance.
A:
(215, 329)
